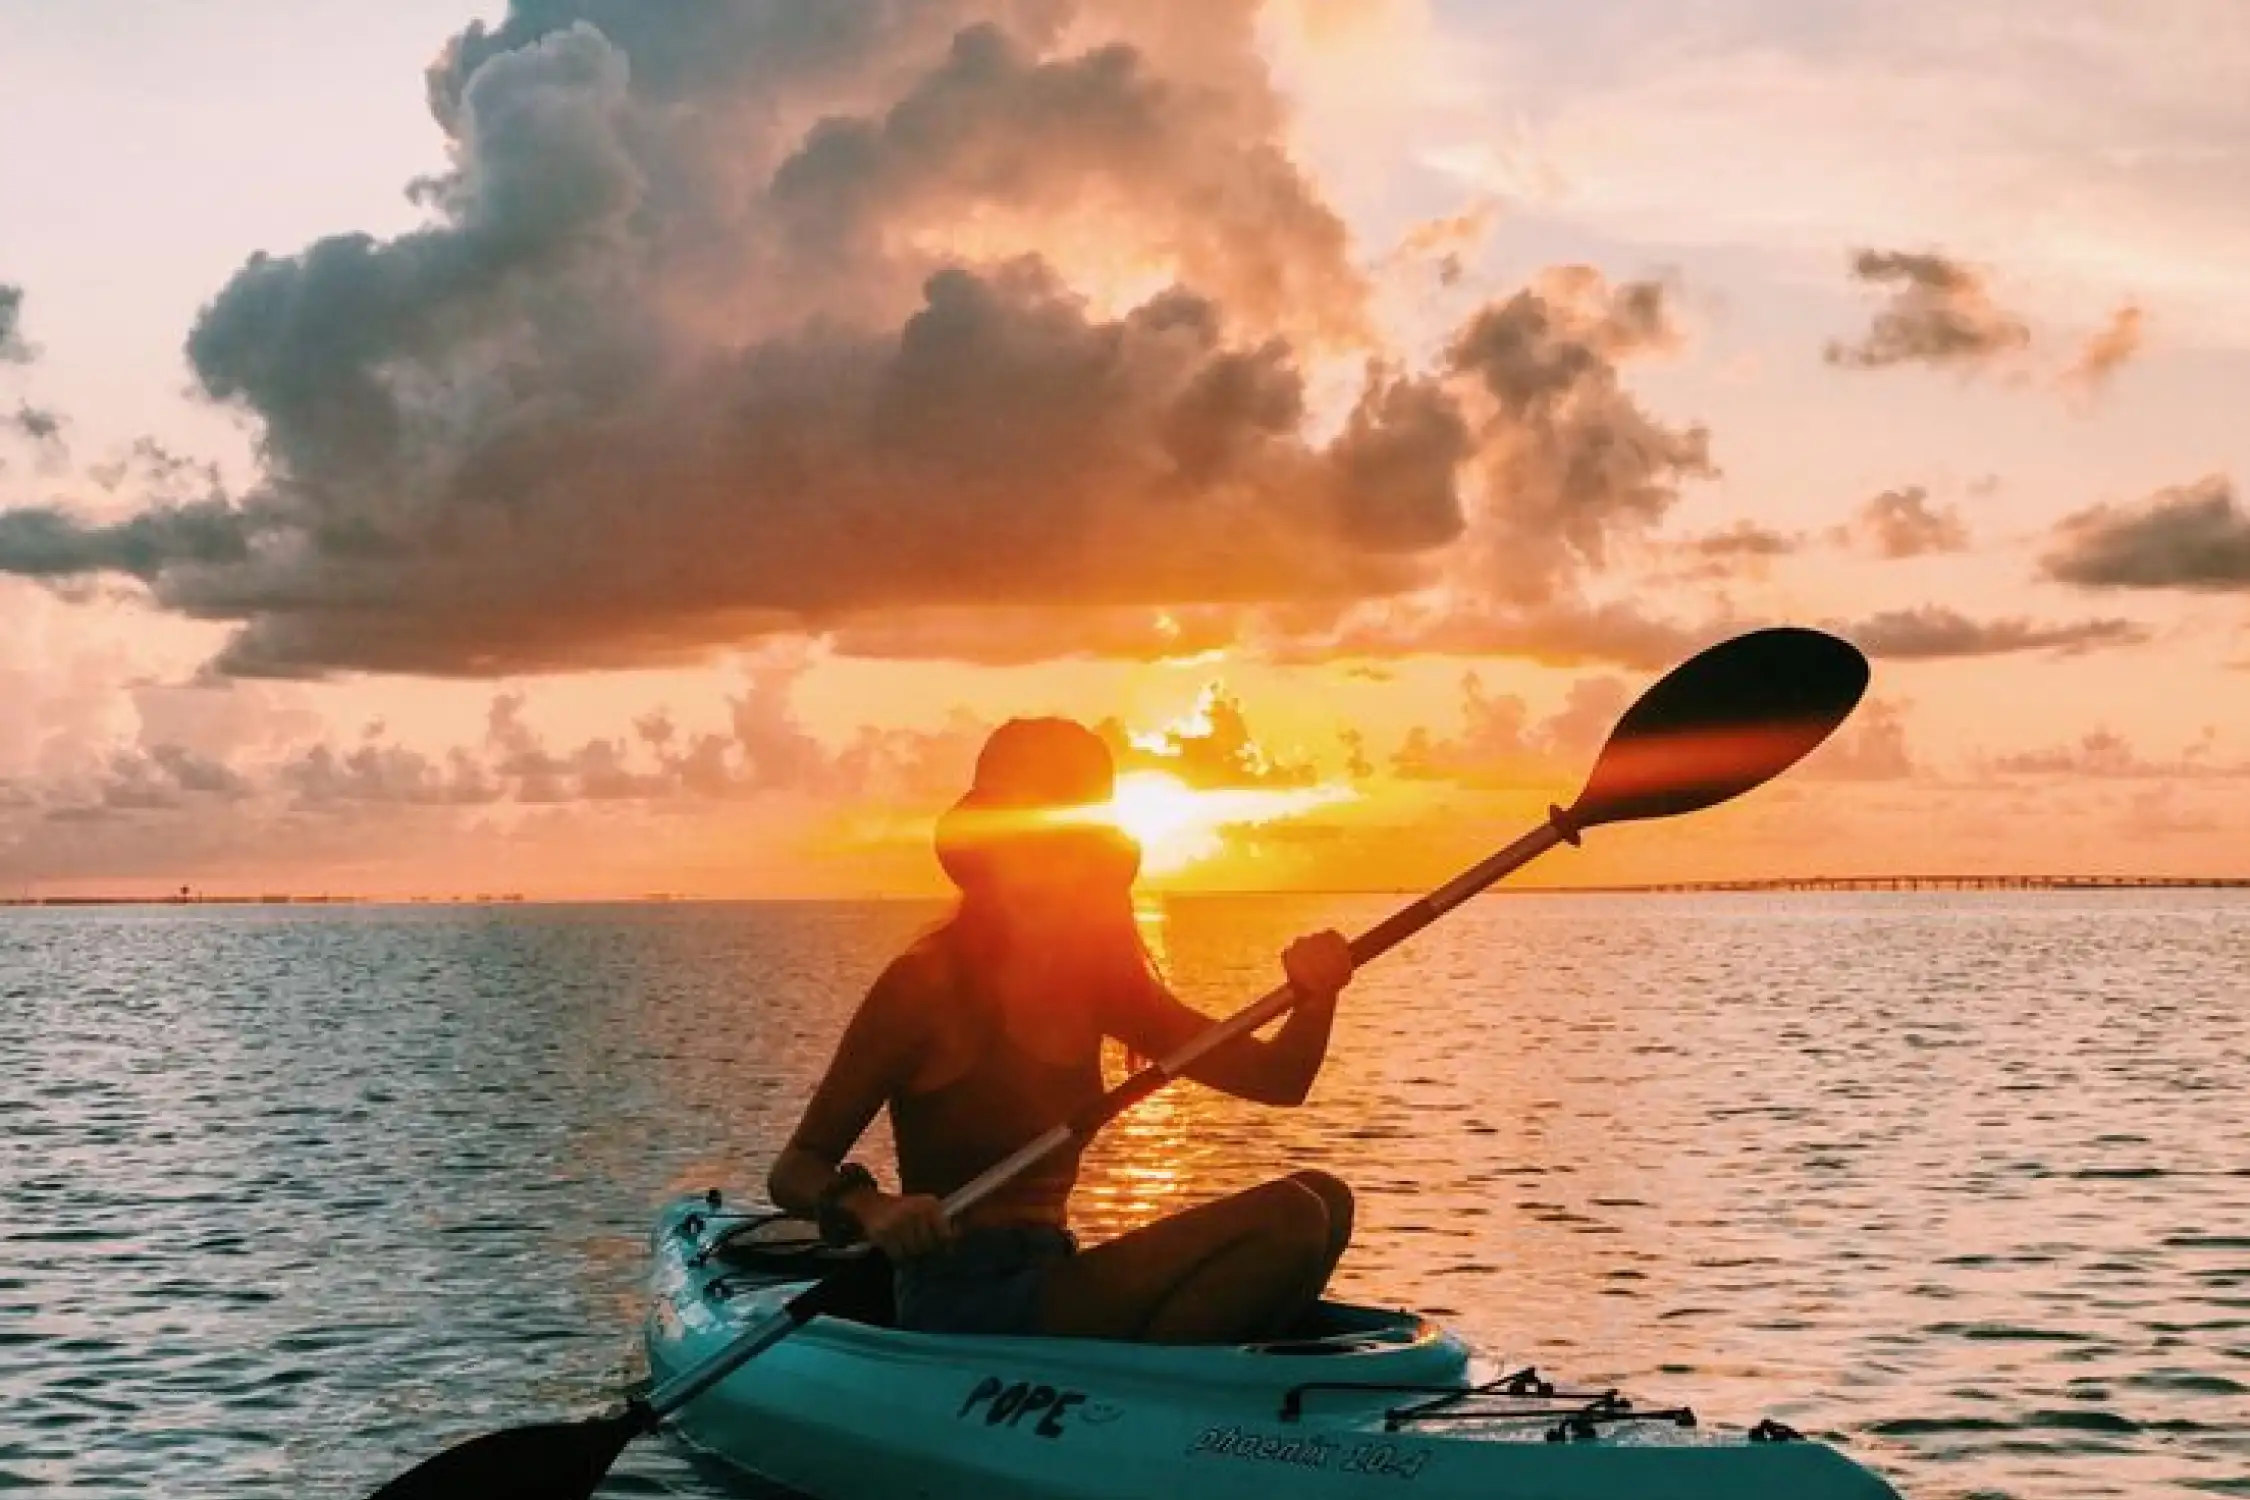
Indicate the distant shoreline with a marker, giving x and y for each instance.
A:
(1804, 885)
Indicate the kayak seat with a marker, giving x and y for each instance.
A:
(781, 1248)
(771, 1246)
(1342, 1328)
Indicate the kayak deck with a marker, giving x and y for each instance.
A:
(1358, 1401)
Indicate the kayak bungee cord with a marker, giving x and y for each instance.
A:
(1727, 720)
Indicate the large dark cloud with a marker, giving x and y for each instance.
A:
(1939, 312)
(2194, 537)
(1936, 633)
(789, 316)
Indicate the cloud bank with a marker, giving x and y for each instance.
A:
(780, 317)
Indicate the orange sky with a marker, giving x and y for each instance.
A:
(458, 451)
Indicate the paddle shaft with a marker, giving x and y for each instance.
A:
(1082, 1126)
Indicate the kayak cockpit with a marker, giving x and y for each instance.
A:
(743, 1250)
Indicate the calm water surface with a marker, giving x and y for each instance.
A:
(291, 1198)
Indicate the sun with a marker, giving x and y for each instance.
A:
(1178, 825)
(1167, 817)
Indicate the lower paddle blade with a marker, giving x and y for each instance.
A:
(552, 1461)
(1722, 722)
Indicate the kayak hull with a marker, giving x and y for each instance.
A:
(848, 1409)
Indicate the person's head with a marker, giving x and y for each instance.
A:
(1027, 845)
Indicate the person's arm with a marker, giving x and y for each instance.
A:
(871, 1061)
(1278, 1071)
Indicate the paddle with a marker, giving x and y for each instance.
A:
(1727, 720)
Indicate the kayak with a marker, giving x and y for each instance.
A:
(1359, 1401)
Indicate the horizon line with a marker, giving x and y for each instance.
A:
(1763, 885)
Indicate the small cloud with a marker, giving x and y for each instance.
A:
(42, 429)
(1500, 746)
(1744, 549)
(1935, 633)
(1940, 313)
(1902, 523)
(2157, 812)
(1561, 634)
(34, 423)
(2106, 755)
(1447, 242)
(13, 349)
(1571, 460)
(1211, 748)
(2194, 537)
(1356, 764)
(1873, 747)
(1744, 539)
(2102, 753)
(2109, 350)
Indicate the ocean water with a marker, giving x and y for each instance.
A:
(290, 1198)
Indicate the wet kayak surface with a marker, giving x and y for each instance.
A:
(293, 1197)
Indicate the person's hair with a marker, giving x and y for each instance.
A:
(977, 937)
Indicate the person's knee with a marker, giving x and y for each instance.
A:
(1288, 1214)
(1335, 1197)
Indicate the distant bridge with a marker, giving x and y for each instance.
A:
(1771, 886)
(1931, 883)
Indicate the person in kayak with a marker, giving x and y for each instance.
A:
(988, 1031)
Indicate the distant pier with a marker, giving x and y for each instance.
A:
(1929, 883)
(1777, 885)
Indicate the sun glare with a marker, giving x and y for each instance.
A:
(1178, 825)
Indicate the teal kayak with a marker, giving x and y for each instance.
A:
(1361, 1402)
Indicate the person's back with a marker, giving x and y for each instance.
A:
(1005, 1092)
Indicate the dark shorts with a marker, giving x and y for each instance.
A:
(987, 1281)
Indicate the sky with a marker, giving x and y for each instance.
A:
(585, 448)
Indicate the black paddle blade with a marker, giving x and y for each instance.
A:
(552, 1461)
(1722, 722)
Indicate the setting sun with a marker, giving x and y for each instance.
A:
(1178, 825)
